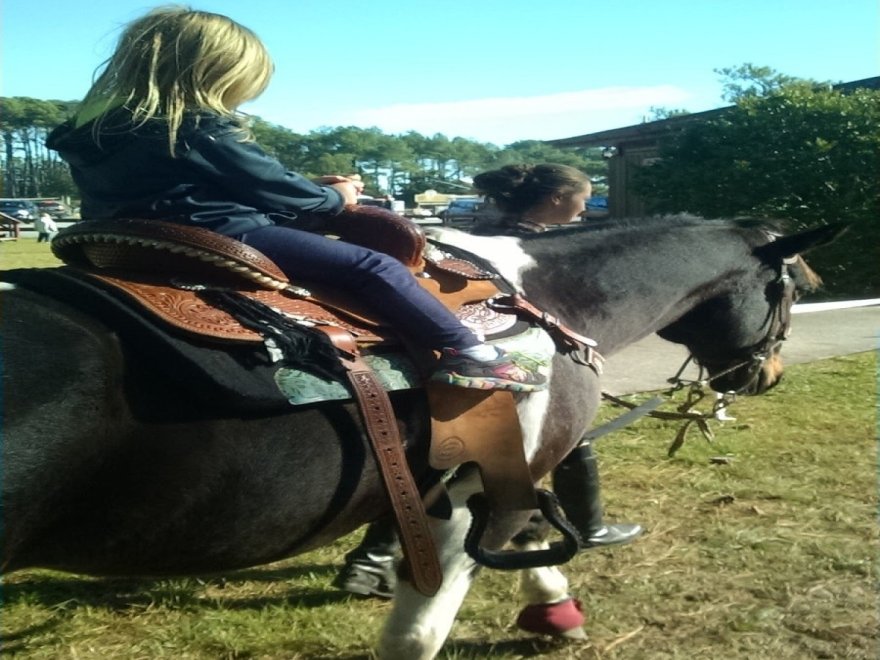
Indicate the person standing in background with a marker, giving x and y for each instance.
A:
(45, 226)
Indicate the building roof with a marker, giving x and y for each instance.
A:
(8, 219)
(646, 130)
(651, 130)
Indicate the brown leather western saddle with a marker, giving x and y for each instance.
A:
(148, 260)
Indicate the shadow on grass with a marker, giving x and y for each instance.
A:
(65, 596)
(517, 648)
(61, 593)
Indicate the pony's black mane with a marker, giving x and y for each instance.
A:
(653, 223)
(620, 232)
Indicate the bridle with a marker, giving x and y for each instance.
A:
(778, 330)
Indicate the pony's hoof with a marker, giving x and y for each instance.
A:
(562, 619)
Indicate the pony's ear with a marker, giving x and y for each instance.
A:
(786, 247)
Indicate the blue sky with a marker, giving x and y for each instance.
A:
(491, 70)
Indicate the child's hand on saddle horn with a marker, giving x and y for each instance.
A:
(348, 186)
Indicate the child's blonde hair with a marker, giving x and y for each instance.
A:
(174, 60)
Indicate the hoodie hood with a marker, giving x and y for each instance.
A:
(214, 178)
(118, 165)
(83, 145)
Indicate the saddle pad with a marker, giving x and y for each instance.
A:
(397, 372)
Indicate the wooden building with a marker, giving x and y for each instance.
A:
(631, 147)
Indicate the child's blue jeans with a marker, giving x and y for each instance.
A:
(380, 281)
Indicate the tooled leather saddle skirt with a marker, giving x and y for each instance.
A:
(202, 294)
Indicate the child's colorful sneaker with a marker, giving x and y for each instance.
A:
(509, 371)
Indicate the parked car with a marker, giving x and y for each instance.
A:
(597, 207)
(54, 208)
(20, 209)
(466, 211)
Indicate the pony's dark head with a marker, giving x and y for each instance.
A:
(736, 336)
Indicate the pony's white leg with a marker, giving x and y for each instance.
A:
(544, 584)
(418, 625)
(550, 610)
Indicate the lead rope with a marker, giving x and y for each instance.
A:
(696, 392)
(683, 412)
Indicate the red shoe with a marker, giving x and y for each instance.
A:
(563, 618)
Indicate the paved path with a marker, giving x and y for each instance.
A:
(816, 334)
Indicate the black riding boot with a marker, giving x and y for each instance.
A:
(370, 569)
(576, 484)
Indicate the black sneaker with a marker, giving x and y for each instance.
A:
(509, 371)
(612, 535)
(376, 579)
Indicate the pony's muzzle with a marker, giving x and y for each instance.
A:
(769, 374)
(757, 376)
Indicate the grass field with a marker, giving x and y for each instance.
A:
(771, 556)
(26, 253)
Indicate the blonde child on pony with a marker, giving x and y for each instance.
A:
(158, 136)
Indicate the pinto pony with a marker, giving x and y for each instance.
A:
(113, 467)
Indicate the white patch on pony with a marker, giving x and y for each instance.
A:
(532, 407)
(542, 585)
(503, 252)
(6, 286)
